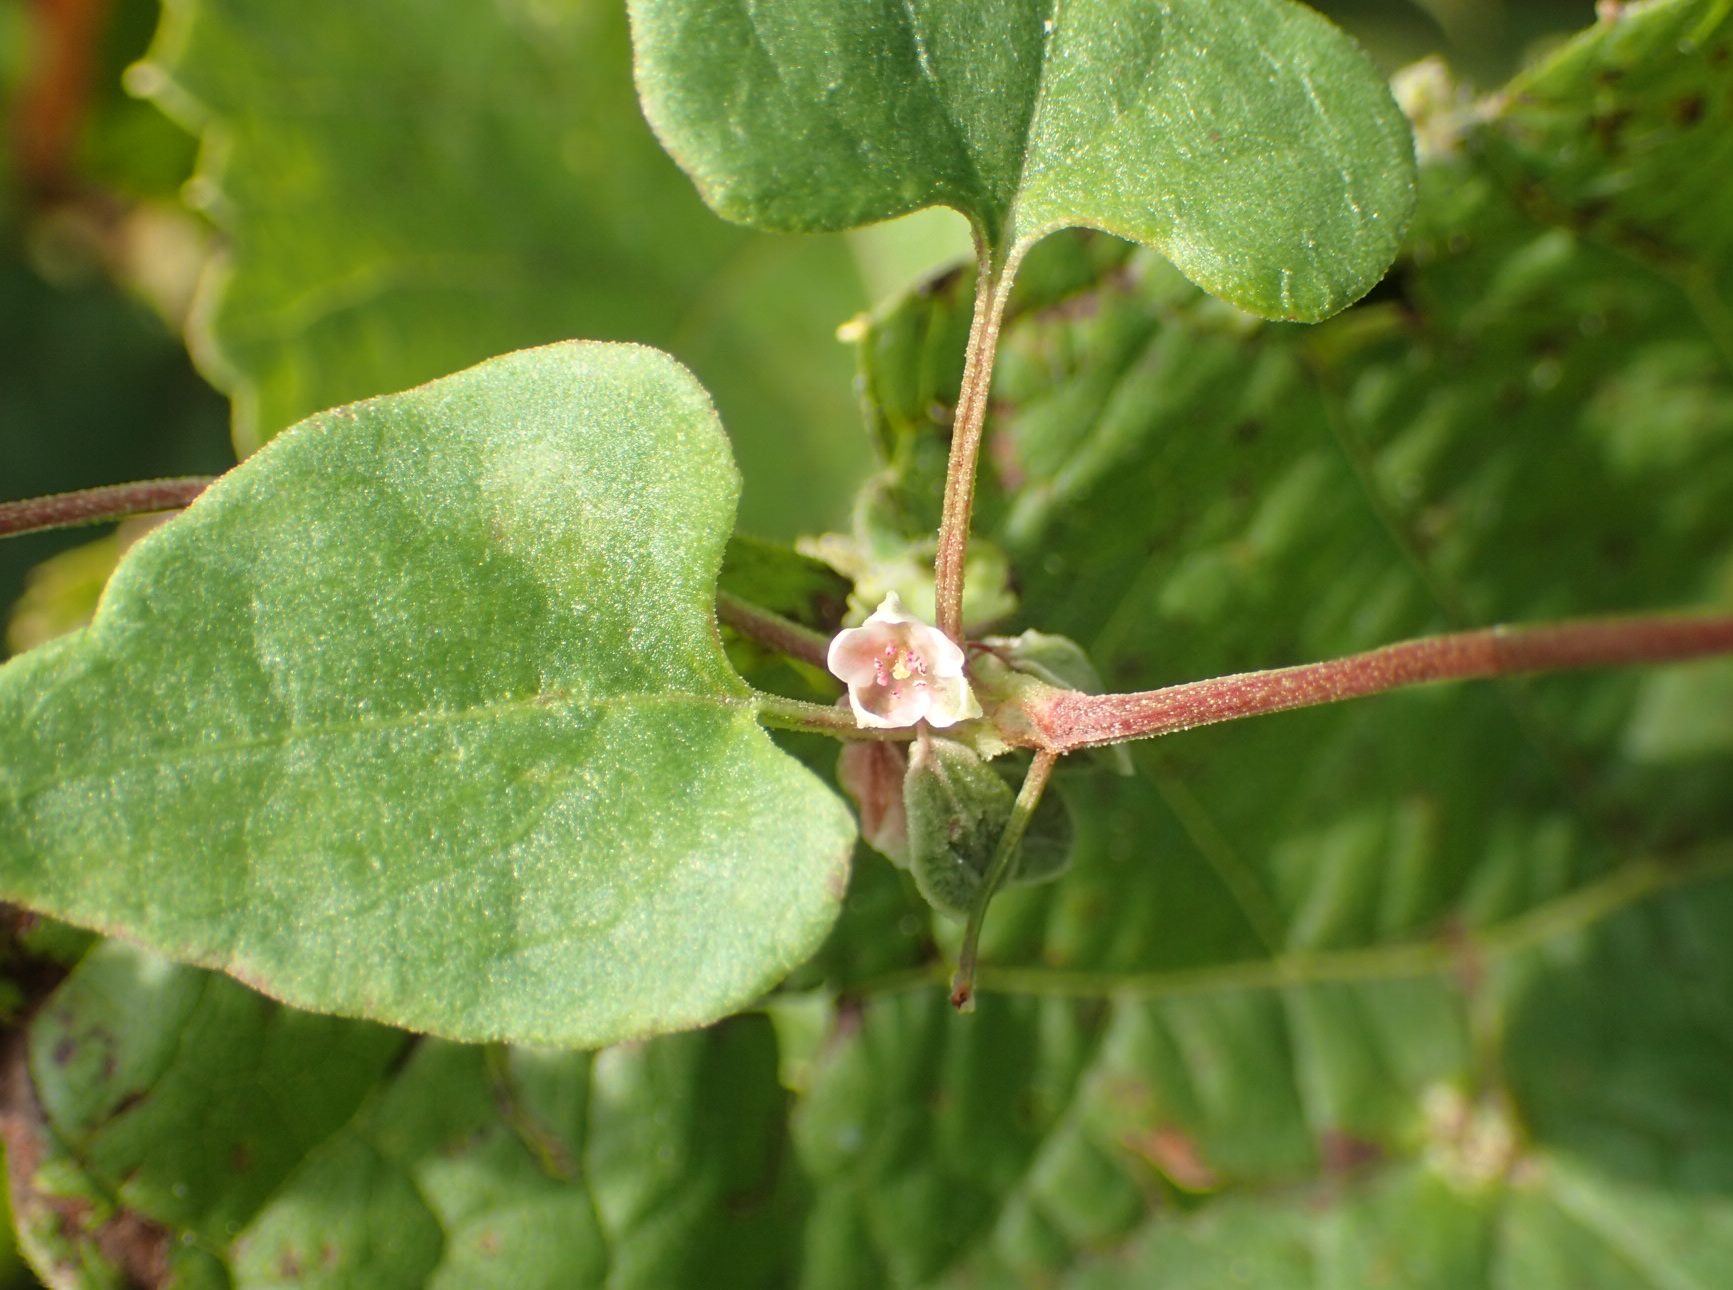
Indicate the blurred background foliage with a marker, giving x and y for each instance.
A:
(141, 319)
(117, 258)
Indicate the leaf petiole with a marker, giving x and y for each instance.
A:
(782, 713)
(771, 629)
(1022, 810)
(992, 290)
(99, 505)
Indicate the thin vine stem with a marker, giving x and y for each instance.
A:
(771, 629)
(780, 713)
(992, 289)
(1065, 721)
(1022, 810)
(99, 505)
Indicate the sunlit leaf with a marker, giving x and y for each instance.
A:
(1250, 142)
(421, 716)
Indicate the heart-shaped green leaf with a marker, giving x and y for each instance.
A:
(1249, 141)
(421, 715)
(1426, 991)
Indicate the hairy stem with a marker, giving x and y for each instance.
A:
(772, 629)
(97, 505)
(992, 288)
(815, 718)
(1028, 798)
(1065, 721)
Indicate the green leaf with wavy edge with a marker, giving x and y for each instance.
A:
(1539, 428)
(421, 715)
(401, 197)
(194, 1120)
(1272, 1127)
(1249, 141)
(1480, 1054)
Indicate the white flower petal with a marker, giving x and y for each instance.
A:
(941, 652)
(851, 655)
(951, 701)
(901, 671)
(867, 719)
(891, 613)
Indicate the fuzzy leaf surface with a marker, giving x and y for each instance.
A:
(422, 716)
(1427, 991)
(1250, 142)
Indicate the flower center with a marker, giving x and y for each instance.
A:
(900, 663)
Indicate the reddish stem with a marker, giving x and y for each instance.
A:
(53, 98)
(96, 505)
(1065, 720)
(772, 630)
(966, 426)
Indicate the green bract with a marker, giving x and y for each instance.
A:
(420, 715)
(1247, 140)
(957, 806)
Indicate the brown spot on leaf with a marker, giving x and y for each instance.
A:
(1608, 126)
(289, 1264)
(1175, 1154)
(132, 1243)
(1344, 1153)
(940, 283)
(138, 1247)
(1689, 110)
(64, 1051)
(488, 1242)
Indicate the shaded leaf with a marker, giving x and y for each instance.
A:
(402, 197)
(1265, 1125)
(644, 1167)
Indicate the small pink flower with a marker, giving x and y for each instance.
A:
(900, 671)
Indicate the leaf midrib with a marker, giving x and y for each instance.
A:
(480, 713)
(1630, 884)
(1001, 259)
